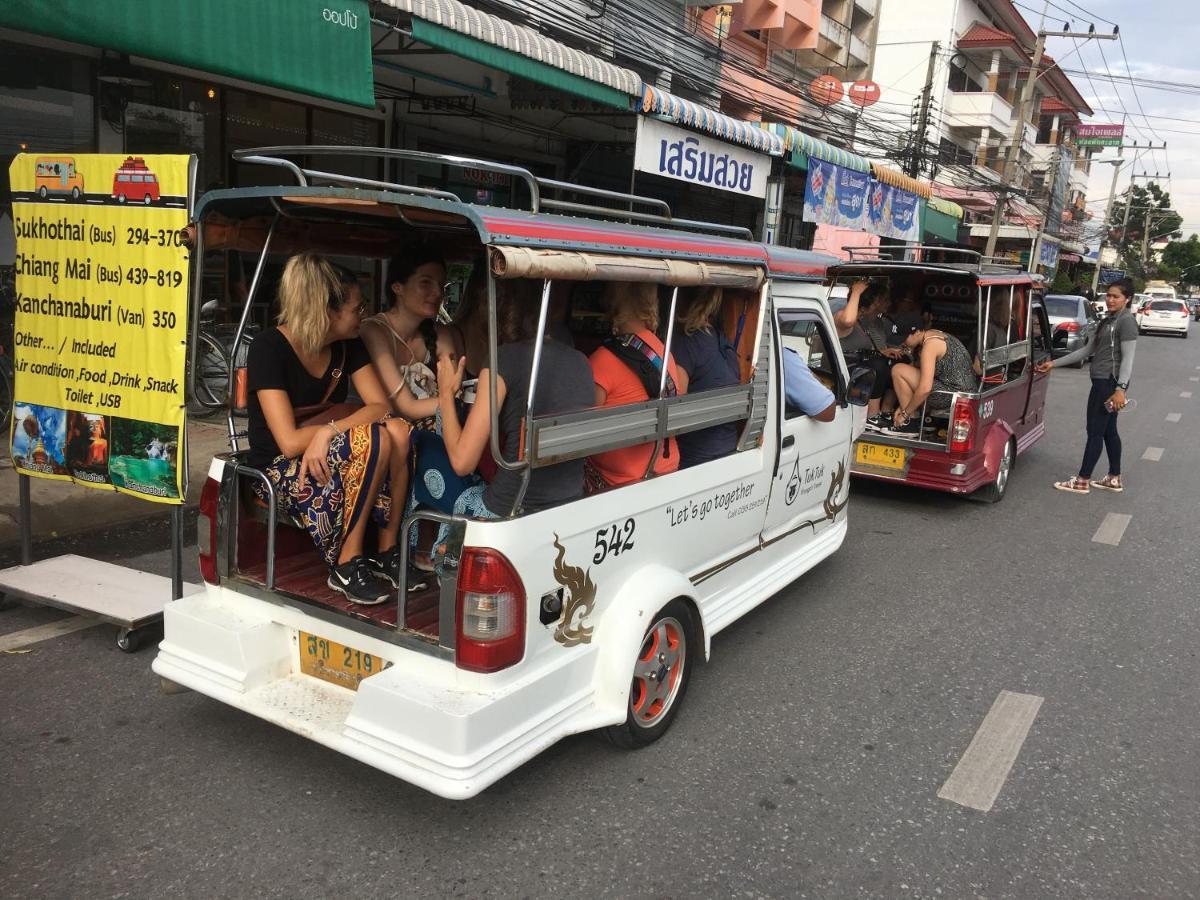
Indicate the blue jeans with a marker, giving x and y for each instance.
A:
(1101, 430)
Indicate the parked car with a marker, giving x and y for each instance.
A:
(1164, 315)
(1073, 321)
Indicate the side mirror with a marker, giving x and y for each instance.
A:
(862, 381)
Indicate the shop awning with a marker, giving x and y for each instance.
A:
(306, 46)
(899, 180)
(797, 141)
(693, 115)
(948, 207)
(499, 44)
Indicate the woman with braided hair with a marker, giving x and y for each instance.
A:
(406, 341)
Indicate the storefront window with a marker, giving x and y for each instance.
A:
(253, 120)
(339, 129)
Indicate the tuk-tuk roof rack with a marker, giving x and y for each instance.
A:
(974, 260)
(657, 212)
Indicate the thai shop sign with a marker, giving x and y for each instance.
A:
(101, 320)
(671, 152)
(1099, 135)
(834, 195)
(316, 47)
(1048, 253)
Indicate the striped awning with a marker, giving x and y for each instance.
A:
(947, 207)
(727, 128)
(899, 180)
(489, 29)
(797, 141)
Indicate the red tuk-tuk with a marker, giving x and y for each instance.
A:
(969, 440)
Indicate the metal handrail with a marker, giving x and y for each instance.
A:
(446, 626)
(272, 514)
(273, 156)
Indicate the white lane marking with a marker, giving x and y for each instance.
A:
(1112, 529)
(1154, 454)
(1194, 378)
(980, 774)
(44, 632)
(1174, 417)
(1186, 395)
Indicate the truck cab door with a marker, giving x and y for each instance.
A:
(810, 481)
(1040, 350)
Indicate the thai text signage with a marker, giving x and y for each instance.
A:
(1099, 135)
(834, 195)
(101, 320)
(671, 152)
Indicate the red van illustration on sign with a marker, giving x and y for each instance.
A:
(134, 182)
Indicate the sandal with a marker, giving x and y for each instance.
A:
(1109, 483)
(1074, 485)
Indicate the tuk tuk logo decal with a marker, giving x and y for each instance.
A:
(832, 505)
(573, 629)
(801, 483)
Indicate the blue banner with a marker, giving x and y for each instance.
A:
(837, 196)
(894, 213)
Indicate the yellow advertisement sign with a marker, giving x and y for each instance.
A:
(101, 325)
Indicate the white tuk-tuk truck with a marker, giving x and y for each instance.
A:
(585, 616)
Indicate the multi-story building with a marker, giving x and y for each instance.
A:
(982, 54)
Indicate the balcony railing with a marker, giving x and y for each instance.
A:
(972, 110)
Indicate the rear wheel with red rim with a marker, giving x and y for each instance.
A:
(660, 678)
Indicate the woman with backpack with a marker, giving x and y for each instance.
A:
(627, 368)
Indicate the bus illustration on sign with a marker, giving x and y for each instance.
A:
(134, 182)
(57, 175)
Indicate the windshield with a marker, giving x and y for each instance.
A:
(1062, 307)
(1172, 305)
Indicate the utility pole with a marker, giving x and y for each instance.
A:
(1146, 239)
(1112, 192)
(1014, 147)
(918, 154)
(1035, 254)
(1129, 202)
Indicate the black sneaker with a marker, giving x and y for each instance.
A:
(878, 422)
(358, 583)
(387, 567)
(910, 429)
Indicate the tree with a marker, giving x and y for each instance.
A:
(1178, 258)
(1164, 222)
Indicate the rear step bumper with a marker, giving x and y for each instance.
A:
(421, 720)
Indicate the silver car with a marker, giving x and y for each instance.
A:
(1073, 321)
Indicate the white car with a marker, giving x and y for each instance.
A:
(1163, 315)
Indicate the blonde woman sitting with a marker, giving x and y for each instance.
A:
(332, 474)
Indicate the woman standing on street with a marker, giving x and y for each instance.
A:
(1111, 349)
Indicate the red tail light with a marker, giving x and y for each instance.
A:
(490, 616)
(206, 530)
(962, 426)
(1068, 326)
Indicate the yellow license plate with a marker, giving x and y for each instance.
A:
(337, 663)
(880, 456)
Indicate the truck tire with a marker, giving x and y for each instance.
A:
(660, 678)
(994, 492)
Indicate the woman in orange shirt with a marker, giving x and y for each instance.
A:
(626, 369)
